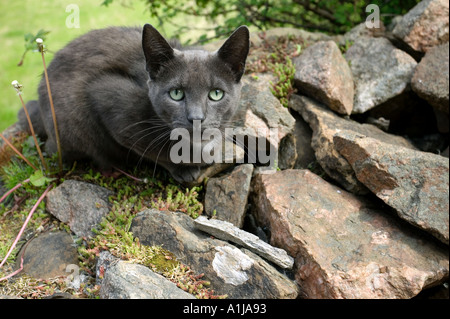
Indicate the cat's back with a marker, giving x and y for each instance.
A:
(118, 48)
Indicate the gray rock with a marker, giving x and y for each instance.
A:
(325, 124)
(322, 72)
(361, 30)
(80, 205)
(105, 260)
(343, 246)
(223, 265)
(49, 255)
(227, 231)
(414, 183)
(431, 78)
(259, 112)
(227, 195)
(123, 280)
(424, 26)
(380, 71)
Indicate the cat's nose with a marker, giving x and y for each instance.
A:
(196, 116)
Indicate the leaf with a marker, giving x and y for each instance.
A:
(38, 179)
(106, 3)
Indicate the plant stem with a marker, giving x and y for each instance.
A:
(13, 189)
(15, 272)
(129, 175)
(58, 144)
(25, 225)
(17, 151)
(33, 134)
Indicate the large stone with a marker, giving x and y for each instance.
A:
(380, 71)
(424, 26)
(261, 117)
(325, 124)
(227, 231)
(344, 247)
(322, 72)
(81, 205)
(235, 272)
(431, 78)
(415, 183)
(49, 255)
(361, 30)
(124, 280)
(227, 195)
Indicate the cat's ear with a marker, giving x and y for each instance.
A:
(156, 50)
(235, 50)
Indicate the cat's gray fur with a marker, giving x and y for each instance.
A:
(110, 89)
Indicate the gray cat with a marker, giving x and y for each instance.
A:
(119, 92)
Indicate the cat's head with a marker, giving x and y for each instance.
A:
(189, 85)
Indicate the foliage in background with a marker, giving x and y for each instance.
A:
(330, 16)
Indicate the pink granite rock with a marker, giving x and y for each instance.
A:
(322, 72)
(344, 247)
(425, 26)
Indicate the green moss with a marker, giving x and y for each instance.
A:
(275, 56)
(283, 88)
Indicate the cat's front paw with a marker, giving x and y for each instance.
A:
(186, 174)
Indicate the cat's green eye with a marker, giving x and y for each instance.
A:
(176, 94)
(216, 94)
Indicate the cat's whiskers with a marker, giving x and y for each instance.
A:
(159, 139)
(162, 127)
(157, 157)
(148, 121)
(149, 128)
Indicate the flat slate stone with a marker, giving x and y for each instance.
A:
(227, 231)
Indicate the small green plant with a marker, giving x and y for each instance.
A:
(284, 87)
(177, 199)
(30, 43)
(275, 56)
